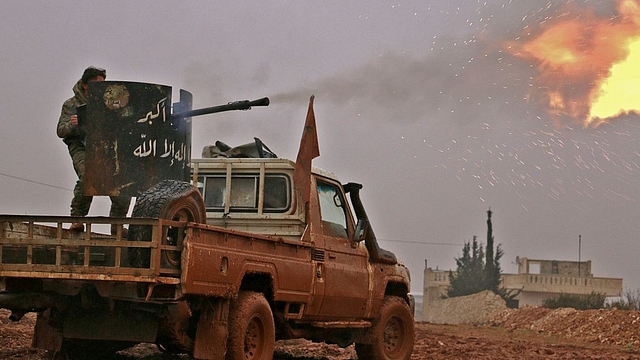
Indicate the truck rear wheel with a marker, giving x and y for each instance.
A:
(251, 328)
(391, 333)
(172, 200)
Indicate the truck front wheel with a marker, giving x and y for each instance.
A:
(391, 334)
(251, 328)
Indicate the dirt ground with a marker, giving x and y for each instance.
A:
(529, 333)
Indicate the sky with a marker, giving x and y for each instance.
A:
(417, 100)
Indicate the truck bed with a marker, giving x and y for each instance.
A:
(211, 260)
(42, 247)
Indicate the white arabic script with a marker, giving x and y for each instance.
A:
(173, 151)
(160, 111)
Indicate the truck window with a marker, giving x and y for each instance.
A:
(244, 195)
(332, 210)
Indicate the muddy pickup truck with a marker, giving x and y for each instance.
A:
(248, 251)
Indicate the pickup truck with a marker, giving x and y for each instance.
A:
(250, 251)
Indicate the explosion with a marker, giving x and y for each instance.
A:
(589, 67)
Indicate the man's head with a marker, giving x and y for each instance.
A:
(93, 73)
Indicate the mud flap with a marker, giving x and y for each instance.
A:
(212, 332)
(46, 336)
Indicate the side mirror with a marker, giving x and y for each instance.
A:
(361, 229)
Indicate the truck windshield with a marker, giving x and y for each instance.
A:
(244, 194)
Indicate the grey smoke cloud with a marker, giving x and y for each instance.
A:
(455, 83)
(460, 79)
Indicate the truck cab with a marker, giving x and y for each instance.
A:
(257, 195)
(249, 194)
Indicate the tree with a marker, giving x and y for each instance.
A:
(478, 269)
(469, 277)
(492, 262)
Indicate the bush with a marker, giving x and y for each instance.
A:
(620, 305)
(578, 302)
(630, 300)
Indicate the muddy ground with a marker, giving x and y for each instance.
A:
(530, 333)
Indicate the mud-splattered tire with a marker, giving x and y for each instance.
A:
(251, 328)
(169, 199)
(391, 333)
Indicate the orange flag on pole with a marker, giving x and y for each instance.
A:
(306, 153)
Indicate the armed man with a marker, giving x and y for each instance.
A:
(74, 138)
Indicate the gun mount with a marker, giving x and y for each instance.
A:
(136, 137)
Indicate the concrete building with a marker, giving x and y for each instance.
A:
(537, 280)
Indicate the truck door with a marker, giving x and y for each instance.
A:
(346, 267)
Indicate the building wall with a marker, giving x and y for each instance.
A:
(535, 288)
(557, 267)
(526, 298)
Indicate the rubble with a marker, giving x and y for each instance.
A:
(529, 333)
(605, 326)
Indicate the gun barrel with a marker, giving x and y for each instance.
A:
(235, 105)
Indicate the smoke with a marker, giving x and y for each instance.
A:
(467, 80)
(454, 82)
(467, 77)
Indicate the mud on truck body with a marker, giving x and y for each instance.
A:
(246, 251)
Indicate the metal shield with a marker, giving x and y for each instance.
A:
(132, 142)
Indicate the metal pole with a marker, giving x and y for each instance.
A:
(579, 249)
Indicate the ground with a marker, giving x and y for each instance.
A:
(529, 333)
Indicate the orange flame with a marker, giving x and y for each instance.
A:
(589, 67)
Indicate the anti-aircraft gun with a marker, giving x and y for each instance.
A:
(135, 140)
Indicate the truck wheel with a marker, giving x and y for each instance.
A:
(251, 328)
(169, 199)
(391, 333)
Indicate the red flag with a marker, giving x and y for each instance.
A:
(306, 153)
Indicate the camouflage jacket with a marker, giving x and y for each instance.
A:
(71, 134)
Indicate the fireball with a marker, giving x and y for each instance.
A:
(588, 67)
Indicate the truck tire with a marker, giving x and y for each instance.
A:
(391, 334)
(251, 328)
(169, 199)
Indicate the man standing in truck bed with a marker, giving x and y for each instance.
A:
(74, 138)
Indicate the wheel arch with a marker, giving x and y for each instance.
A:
(399, 289)
(259, 280)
